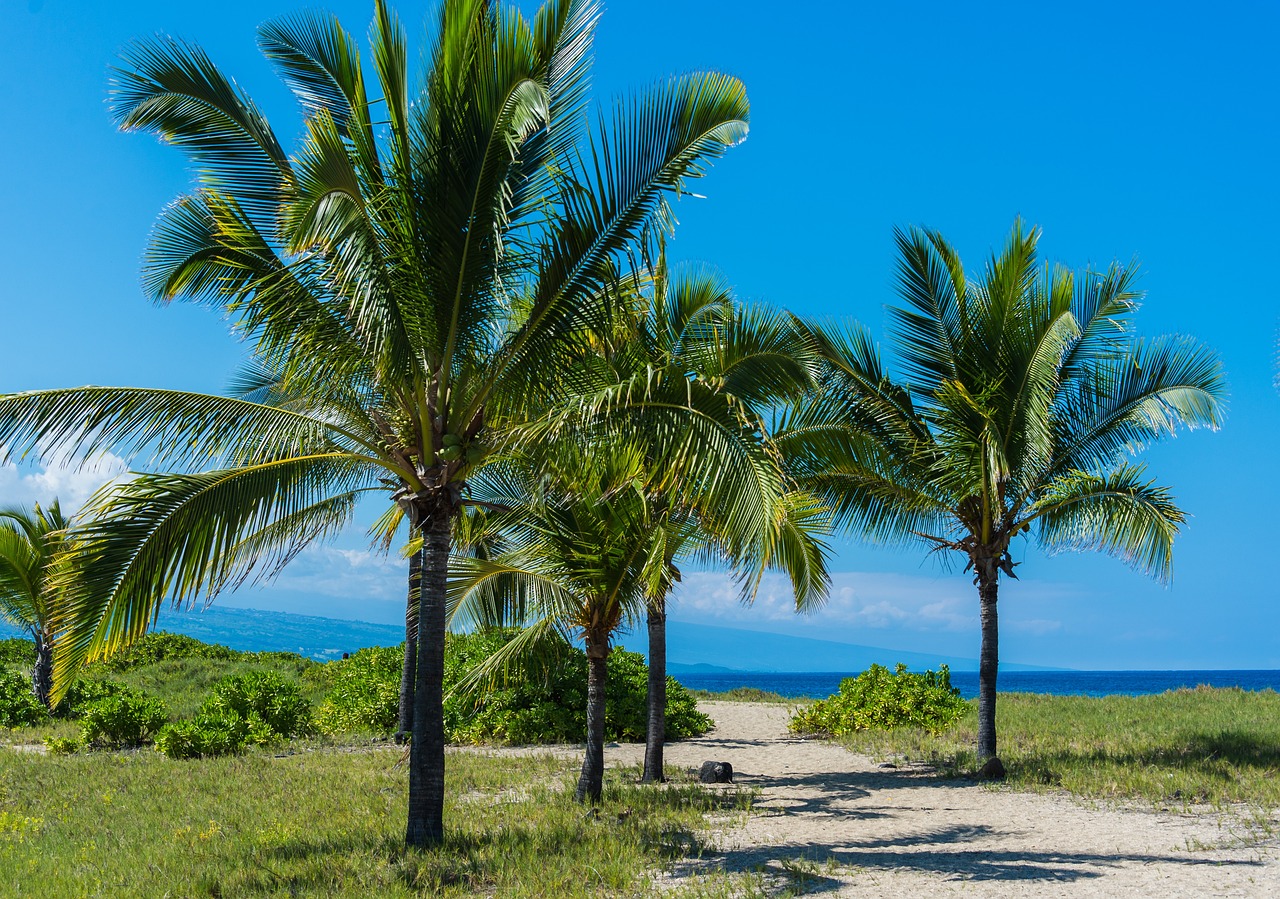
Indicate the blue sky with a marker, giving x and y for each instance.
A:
(1146, 133)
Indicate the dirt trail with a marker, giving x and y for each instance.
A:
(875, 831)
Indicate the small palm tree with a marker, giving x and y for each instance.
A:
(1026, 394)
(416, 279)
(579, 550)
(29, 541)
(683, 327)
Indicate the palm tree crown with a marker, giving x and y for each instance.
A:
(1026, 394)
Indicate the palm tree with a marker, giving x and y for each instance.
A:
(579, 551)
(585, 542)
(1026, 394)
(684, 327)
(415, 278)
(29, 540)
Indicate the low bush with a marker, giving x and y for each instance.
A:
(364, 692)
(542, 701)
(17, 651)
(18, 706)
(255, 708)
(63, 745)
(125, 719)
(878, 699)
(155, 647)
(262, 695)
(212, 733)
(83, 693)
(627, 702)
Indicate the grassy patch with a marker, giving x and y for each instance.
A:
(1198, 746)
(744, 694)
(329, 823)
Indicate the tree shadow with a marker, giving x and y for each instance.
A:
(940, 851)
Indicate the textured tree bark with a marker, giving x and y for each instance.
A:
(656, 732)
(988, 663)
(426, 753)
(42, 670)
(591, 781)
(408, 675)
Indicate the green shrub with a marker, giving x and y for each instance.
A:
(212, 733)
(17, 651)
(83, 693)
(18, 706)
(542, 701)
(264, 695)
(154, 647)
(300, 665)
(627, 698)
(63, 745)
(125, 719)
(364, 693)
(878, 699)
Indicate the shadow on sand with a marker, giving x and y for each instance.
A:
(959, 852)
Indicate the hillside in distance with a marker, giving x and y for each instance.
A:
(691, 647)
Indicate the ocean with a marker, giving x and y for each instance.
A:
(1057, 683)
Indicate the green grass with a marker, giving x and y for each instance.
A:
(743, 694)
(329, 823)
(1201, 746)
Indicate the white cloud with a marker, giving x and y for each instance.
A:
(60, 478)
(874, 600)
(863, 600)
(1036, 627)
(354, 574)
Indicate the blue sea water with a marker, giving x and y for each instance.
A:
(1058, 683)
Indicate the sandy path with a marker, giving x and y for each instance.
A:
(890, 832)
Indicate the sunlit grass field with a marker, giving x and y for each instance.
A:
(329, 822)
(1186, 747)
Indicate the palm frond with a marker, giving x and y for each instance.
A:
(182, 537)
(175, 91)
(1121, 513)
(177, 428)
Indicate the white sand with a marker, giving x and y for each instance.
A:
(886, 832)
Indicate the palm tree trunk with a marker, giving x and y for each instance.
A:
(656, 732)
(409, 674)
(42, 670)
(426, 753)
(988, 662)
(591, 781)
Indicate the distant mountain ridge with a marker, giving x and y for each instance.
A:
(692, 648)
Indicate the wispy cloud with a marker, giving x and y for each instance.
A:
(60, 478)
(861, 600)
(358, 575)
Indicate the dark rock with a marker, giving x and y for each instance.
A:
(992, 770)
(716, 773)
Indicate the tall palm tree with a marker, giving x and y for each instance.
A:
(29, 541)
(415, 277)
(1026, 394)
